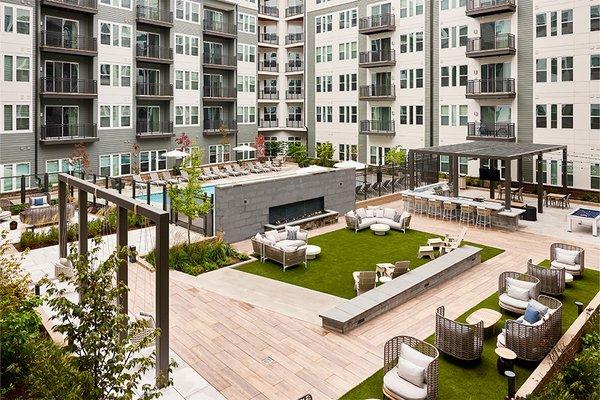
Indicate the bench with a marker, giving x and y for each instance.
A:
(354, 312)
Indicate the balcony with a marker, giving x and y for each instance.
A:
(480, 8)
(219, 28)
(154, 91)
(214, 127)
(292, 123)
(219, 61)
(68, 88)
(491, 89)
(377, 23)
(378, 58)
(377, 92)
(219, 93)
(498, 45)
(500, 131)
(148, 129)
(269, 11)
(268, 38)
(154, 16)
(58, 42)
(268, 123)
(294, 38)
(268, 66)
(374, 127)
(294, 11)
(268, 94)
(156, 54)
(295, 94)
(294, 66)
(68, 133)
(85, 6)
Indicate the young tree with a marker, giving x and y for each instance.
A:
(325, 154)
(183, 141)
(396, 156)
(190, 199)
(299, 154)
(272, 148)
(260, 147)
(79, 159)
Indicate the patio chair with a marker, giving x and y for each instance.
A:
(399, 385)
(386, 185)
(567, 256)
(64, 267)
(368, 187)
(184, 176)
(359, 189)
(456, 339)
(207, 173)
(567, 201)
(453, 242)
(216, 171)
(5, 215)
(237, 168)
(272, 166)
(169, 178)
(148, 327)
(400, 268)
(515, 290)
(375, 187)
(552, 280)
(155, 180)
(260, 167)
(253, 168)
(364, 281)
(230, 170)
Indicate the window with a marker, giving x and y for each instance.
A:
(445, 38)
(112, 34)
(566, 22)
(595, 116)
(595, 18)
(567, 116)
(403, 115)
(444, 163)
(324, 114)
(554, 69)
(246, 23)
(16, 117)
(186, 115)
(23, 21)
(445, 115)
(246, 53)
(567, 69)
(348, 114)
(8, 19)
(348, 19)
(324, 23)
(445, 76)
(463, 115)
(540, 116)
(569, 173)
(218, 153)
(112, 116)
(8, 68)
(418, 115)
(541, 72)
(541, 27)
(115, 75)
(595, 67)
(125, 76)
(595, 176)
(11, 174)
(348, 82)
(463, 33)
(347, 51)
(553, 23)
(115, 164)
(246, 114)
(418, 7)
(246, 84)
(324, 83)
(553, 116)
(187, 11)
(117, 3)
(153, 160)
(347, 152)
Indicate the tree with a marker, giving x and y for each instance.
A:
(396, 156)
(325, 154)
(299, 154)
(79, 159)
(260, 147)
(190, 199)
(272, 148)
(135, 165)
(183, 141)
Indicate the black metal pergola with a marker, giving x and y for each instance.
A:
(493, 151)
(124, 204)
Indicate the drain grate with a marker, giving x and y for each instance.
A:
(268, 361)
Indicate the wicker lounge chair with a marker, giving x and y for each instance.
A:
(155, 180)
(561, 254)
(552, 280)
(425, 356)
(237, 168)
(364, 281)
(525, 282)
(532, 342)
(462, 341)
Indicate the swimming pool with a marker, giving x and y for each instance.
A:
(158, 197)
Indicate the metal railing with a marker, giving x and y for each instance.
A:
(475, 5)
(212, 25)
(154, 14)
(294, 66)
(268, 66)
(271, 11)
(216, 126)
(268, 38)
(268, 123)
(479, 86)
(292, 38)
(294, 10)
(156, 52)
(375, 22)
(294, 94)
(377, 56)
(66, 86)
(375, 126)
(219, 59)
(146, 127)
(503, 130)
(51, 132)
(497, 42)
(70, 42)
(153, 89)
(292, 123)
(377, 91)
(219, 92)
(91, 4)
(268, 94)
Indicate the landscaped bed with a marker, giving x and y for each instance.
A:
(344, 251)
(460, 380)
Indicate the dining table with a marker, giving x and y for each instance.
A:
(556, 198)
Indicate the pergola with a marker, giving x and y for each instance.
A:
(494, 150)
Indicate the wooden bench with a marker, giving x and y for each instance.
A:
(356, 311)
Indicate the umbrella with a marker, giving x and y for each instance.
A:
(244, 147)
(176, 154)
(349, 164)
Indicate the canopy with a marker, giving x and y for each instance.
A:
(349, 164)
(244, 147)
(176, 154)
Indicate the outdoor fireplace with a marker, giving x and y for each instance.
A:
(286, 213)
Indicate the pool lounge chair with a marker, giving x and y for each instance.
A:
(230, 170)
(237, 168)
(360, 188)
(169, 178)
(267, 167)
(218, 172)
(253, 168)
(272, 166)
(259, 167)
(208, 173)
(155, 180)
(184, 176)
(139, 182)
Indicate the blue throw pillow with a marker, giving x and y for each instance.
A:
(38, 201)
(531, 315)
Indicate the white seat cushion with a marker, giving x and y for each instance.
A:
(403, 388)
(290, 243)
(568, 267)
(366, 222)
(361, 212)
(389, 213)
(512, 303)
(501, 342)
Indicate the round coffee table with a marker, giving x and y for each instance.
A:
(380, 229)
(488, 316)
(312, 251)
(506, 359)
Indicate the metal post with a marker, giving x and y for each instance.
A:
(83, 222)
(493, 166)
(564, 168)
(162, 297)
(133, 186)
(106, 186)
(365, 182)
(147, 192)
(579, 307)
(454, 176)
(164, 195)
(520, 171)
(94, 182)
(22, 189)
(511, 384)
(507, 182)
(379, 180)
(540, 184)
(122, 273)
(411, 170)
(62, 219)
(120, 183)
(46, 182)
(393, 177)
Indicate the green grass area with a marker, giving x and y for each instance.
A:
(480, 380)
(344, 251)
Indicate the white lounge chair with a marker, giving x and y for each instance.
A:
(218, 172)
(208, 174)
(273, 167)
(155, 180)
(230, 170)
(169, 178)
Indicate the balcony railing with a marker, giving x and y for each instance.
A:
(79, 5)
(293, 123)
(373, 91)
(487, 7)
(377, 127)
(59, 40)
(215, 127)
(154, 52)
(145, 127)
(268, 123)
(294, 94)
(294, 10)
(220, 60)
(268, 94)
(155, 15)
(66, 86)
(377, 58)
(268, 38)
(293, 38)
(491, 88)
(271, 11)
(485, 130)
(501, 44)
(68, 132)
(154, 89)
(219, 92)
(268, 66)
(294, 66)
(219, 27)
(377, 23)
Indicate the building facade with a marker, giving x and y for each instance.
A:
(125, 78)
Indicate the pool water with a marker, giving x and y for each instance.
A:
(158, 197)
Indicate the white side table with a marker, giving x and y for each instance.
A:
(312, 251)
(380, 229)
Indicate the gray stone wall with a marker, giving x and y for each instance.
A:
(241, 210)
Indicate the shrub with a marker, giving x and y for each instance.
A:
(590, 197)
(16, 209)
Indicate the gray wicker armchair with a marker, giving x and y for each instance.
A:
(575, 270)
(534, 342)
(552, 281)
(257, 248)
(390, 360)
(509, 303)
(462, 341)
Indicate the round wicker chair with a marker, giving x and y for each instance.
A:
(502, 289)
(462, 341)
(552, 281)
(580, 260)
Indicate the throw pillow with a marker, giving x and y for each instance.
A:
(539, 306)
(272, 236)
(38, 201)
(389, 213)
(292, 232)
(397, 217)
(361, 212)
(523, 285)
(414, 356)
(258, 237)
(370, 213)
(531, 314)
(302, 236)
(410, 372)
(373, 208)
(566, 256)
(517, 292)
(379, 213)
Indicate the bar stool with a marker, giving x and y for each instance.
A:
(449, 211)
(434, 208)
(420, 205)
(484, 217)
(409, 202)
(467, 214)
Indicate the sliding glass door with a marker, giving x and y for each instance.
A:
(62, 121)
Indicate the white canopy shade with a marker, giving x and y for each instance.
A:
(244, 147)
(176, 154)
(349, 164)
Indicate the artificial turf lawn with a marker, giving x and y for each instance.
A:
(480, 380)
(344, 251)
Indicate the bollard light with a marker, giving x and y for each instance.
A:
(511, 384)
(579, 307)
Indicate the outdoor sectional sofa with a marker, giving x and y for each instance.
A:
(44, 214)
(287, 247)
(362, 218)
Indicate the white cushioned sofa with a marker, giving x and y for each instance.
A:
(287, 247)
(363, 218)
